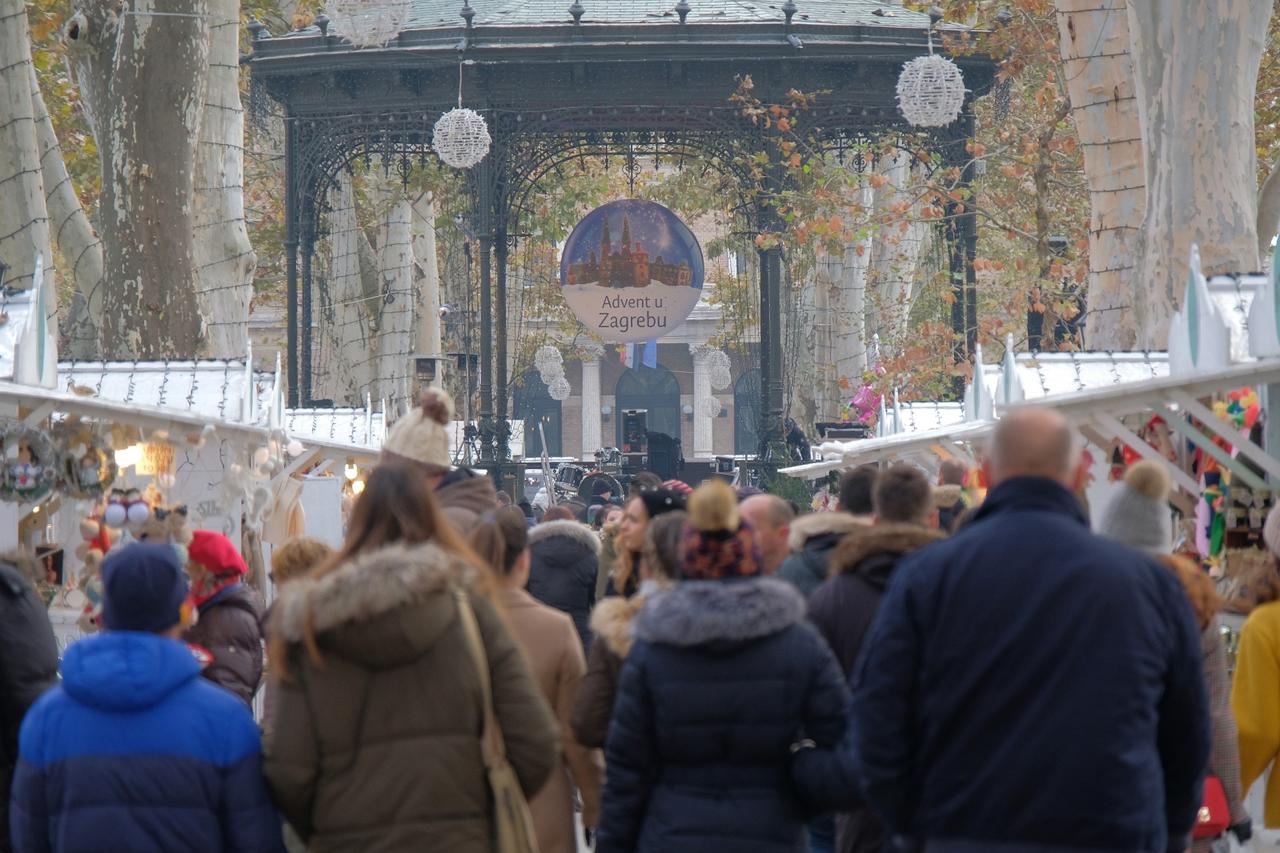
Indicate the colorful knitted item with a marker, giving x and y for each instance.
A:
(717, 543)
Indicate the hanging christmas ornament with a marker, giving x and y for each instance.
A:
(719, 359)
(559, 389)
(461, 136)
(547, 358)
(30, 463)
(931, 88)
(86, 464)
(709, 407)
(368, 23)
(721, 378)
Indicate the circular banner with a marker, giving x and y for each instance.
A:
(631, 271)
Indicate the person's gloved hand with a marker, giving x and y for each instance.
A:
(1243, 830)
(589, 835)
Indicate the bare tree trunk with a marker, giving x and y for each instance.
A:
(895, 251)
(73, 234)
(1196, 66)
(393, 369)
(224, 259)
(819, 334)
(345, 340)
(1269, 210)
(851, 302)
(1099, 74)
(142, 82)
(24, 219)
(426, 276)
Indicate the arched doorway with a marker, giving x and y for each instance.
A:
(655, 390)
(746, 413)
(534, 405)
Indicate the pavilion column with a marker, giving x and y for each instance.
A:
(591, 422)
(703, 424)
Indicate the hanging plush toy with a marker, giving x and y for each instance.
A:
(1211, 522)
(97, 542)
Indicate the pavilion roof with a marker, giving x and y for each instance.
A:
(863, 13)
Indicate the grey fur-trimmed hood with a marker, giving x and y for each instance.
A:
(814, 524)
(369, 586)
(722, 612)
(574, 530)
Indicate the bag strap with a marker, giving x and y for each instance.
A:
(492, 746)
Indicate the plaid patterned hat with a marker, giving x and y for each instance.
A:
(717, 544)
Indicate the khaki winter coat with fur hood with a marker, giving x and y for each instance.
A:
(378, 748)
(554, 652)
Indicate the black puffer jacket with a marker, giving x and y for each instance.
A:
(563, 575)
(723, 678)
(28, 667)
(843, 608)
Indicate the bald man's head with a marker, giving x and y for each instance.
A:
(1034, 443)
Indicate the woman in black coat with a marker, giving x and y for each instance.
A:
(725, 681)
(565, 556)
(28, 664)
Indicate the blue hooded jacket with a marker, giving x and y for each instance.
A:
(134, 751)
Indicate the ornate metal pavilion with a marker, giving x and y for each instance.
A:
(598, 77)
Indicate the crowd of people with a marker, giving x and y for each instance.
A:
(710, 671)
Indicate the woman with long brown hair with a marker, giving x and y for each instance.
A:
(640, 509)
(551, 644)
(376, 741)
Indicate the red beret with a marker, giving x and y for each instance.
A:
(216, 553)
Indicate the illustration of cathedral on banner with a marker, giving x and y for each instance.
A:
(638, 286)
(628, 266)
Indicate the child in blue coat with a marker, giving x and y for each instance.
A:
(134, 750)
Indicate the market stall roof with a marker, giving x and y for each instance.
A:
(840, 455)
(212, 388)
(359, 427)
(1044, 374)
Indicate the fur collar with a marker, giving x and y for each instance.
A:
(806, 527)
(945, 497)
(368, 586)
(575, 530)
(611, 622)
(892, 539)
(695, 613)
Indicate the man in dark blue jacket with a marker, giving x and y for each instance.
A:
(134, 750)
(1028, 686)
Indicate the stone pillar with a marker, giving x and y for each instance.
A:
(703, 425)
(591, 431)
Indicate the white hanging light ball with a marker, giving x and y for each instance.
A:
(709, 407)
(551, 374)
(461, 138)
(718, 358)
(368, 23)
(547, 359)
(559, 390)
(930, 91)
(721, 378)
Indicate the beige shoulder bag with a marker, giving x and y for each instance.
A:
(512, 822)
